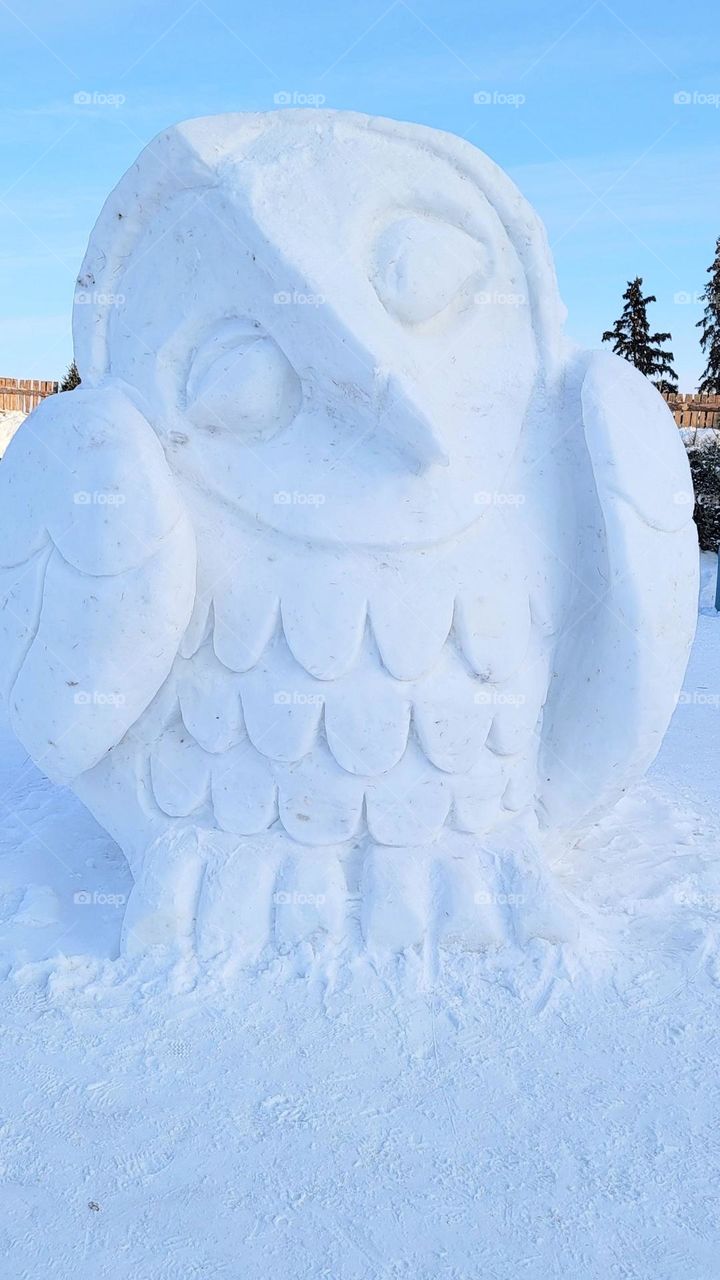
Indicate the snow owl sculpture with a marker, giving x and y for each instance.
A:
(344, 591)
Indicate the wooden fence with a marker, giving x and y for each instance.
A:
(695, 410)
(24, 394)
(689, 410)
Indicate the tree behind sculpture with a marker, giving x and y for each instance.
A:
(705, 468)
(710, 328)
(71, 379)
(631, 339)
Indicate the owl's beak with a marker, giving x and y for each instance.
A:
(412, 428)
(345, 372)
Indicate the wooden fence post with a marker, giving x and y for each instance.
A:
(22, 395)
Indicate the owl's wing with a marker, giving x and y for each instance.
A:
(620, 664)
(97, 576)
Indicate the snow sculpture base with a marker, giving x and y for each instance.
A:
(343, 587)
(204, 896)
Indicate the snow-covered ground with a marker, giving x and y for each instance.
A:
(10, 420)
(552, 1113)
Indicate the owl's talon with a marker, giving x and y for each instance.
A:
(395, 899)
(530, 898)
(469, 914)
(235, 904)
(163, 901)
(310, 897)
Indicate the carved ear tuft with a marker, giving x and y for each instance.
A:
(183, 158)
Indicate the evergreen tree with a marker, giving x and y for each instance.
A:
(632, 339)
(71, 379)
(710, 326)
(705, 468)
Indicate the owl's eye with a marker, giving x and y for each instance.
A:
(422, 265)
(241, 382)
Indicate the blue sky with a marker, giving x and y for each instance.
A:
(626, 178)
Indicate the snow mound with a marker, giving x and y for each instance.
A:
(10, 420)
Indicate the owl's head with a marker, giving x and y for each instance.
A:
(335, 324)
